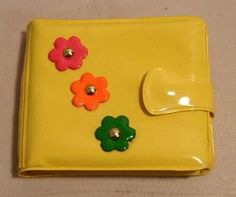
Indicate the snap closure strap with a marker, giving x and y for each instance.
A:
(165, 92)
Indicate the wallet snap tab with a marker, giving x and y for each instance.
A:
(165, 92)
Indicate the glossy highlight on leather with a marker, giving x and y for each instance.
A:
(165, 92)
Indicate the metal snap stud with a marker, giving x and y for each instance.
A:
(90, 90)
(114, 133)
(68, 53)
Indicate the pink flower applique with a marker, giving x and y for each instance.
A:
(68, 53)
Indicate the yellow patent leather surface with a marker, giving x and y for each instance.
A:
(57, 138)
(165, 92)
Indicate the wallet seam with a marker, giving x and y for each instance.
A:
(163, 19)
(24, 99)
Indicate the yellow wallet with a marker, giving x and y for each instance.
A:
(116, 97)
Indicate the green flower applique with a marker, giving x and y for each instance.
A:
(115, 133)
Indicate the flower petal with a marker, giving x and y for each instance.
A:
(123, 120)
(60, 42)
(130, 134)
(74, 63)
(82, 52)
(107, 145)
(121, 145)
(74, 41)
(101, 82)
(53, 55)
(104, 96)
(107, 120)
(77, 101)
(87, 78)
(61, 65)
(99, 134)
(101, 85)
(77, 87)
(91, 104)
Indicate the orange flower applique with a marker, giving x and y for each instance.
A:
(89, 91)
